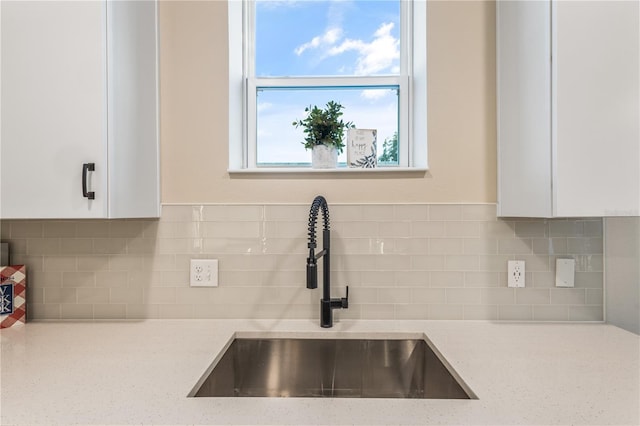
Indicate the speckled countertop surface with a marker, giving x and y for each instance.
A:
(141, 372)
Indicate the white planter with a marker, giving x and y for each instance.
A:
(324, 157)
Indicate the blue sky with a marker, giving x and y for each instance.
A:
(323, 38)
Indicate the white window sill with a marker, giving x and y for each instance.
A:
(339, 171)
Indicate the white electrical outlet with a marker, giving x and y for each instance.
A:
(515, 272)
(204, 273)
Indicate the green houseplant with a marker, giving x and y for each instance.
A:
(324, 133)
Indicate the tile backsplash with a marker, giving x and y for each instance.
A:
(405, 261)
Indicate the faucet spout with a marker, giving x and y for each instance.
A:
(327, 304)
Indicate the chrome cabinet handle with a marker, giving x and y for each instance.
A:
(87, 167)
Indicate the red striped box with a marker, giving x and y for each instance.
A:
(13, 295)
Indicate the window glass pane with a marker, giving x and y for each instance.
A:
(281, 144)
(327, 38)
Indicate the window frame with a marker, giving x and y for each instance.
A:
(243, 86)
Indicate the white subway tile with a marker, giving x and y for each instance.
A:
(584, 245)
(428, 296)
(411, 212)
(392, 262)
(46, 311)
(411, 312)
(537, 229)
(76, 311)
(514, 246)
(515, 312)
(543, 279)
(463, 296)
(110, 279)
(78, 279)
(160, 295)
(550, 313)
(427, 229)
(445, 212)
(35, 295)
(43, 246)
(498, 229)
(595, 296)
(532, 296)
(498, 296)
(377, 311)
(394, 229)
(480, 246)
(566, 228)
(481, 279)
(462, 229)
(142, 311)
(445, 312)
(76, 246)
(479, 212)
(413, 278)
(411, 246)
(427, 263)
(593, 228)
(403, 261)
(445, 246)
(461, 263)
(480, 312)
(394, 295)
(93, 263)
(586, 313)
(59, 228)
(377, 278)
(60, 263)
(27, 229)
(176, 311)
(568, 296)
(549, 246)
(92, 295)
(125, 228)
(447, 279)
(92, 229)
(53, 295)
(286, 213)
(128, 295)
(109, 311)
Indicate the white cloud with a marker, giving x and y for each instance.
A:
(330, 37)
(374, 94)
(264, 106)
(381, 54)
(373, 57)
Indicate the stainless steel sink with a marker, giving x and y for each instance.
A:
(359, 368)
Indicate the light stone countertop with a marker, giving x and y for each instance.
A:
(140, 373)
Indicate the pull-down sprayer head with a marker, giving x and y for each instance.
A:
(312, 268)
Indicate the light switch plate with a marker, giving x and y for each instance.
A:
(565, 272)
(204, 273)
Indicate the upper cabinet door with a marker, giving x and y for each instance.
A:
(53, 109)
(596, 138)
(79, 86)
(568, 108)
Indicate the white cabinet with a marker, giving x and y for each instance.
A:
(79, 85)
(568, 108)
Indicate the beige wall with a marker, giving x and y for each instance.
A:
(461, 115)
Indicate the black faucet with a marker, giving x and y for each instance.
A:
(327, 304)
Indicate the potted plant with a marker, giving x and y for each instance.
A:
(324, 132)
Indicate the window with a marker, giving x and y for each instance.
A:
(369, 56)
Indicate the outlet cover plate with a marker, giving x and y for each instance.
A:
(565, 272)
(204, 273)
(515, 273)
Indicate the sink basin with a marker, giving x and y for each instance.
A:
(357, 368)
